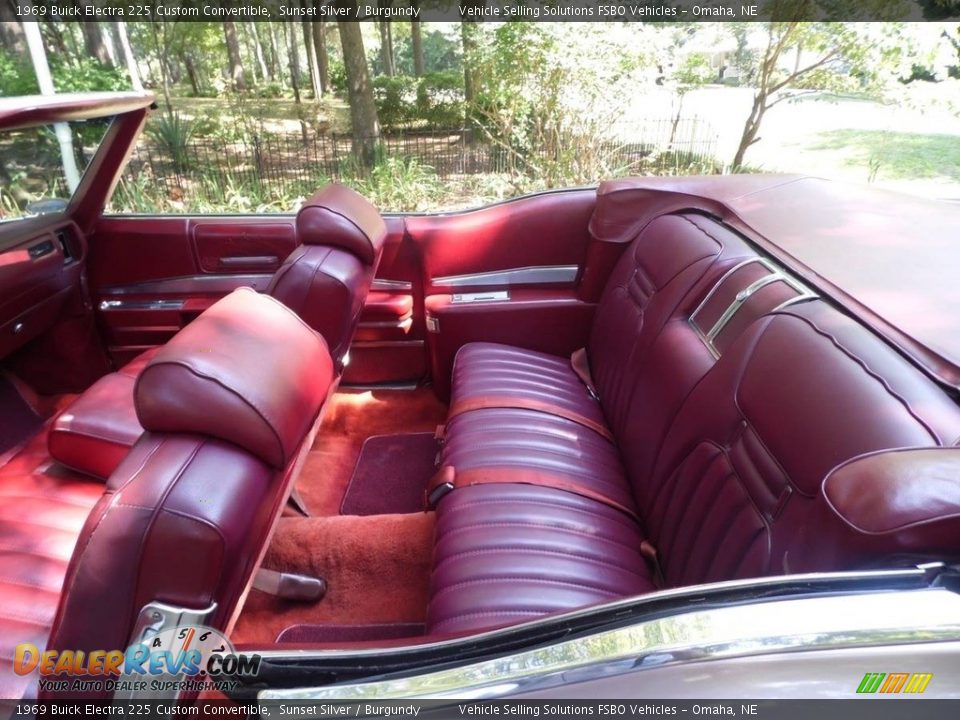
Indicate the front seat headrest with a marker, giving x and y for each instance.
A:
(341, 217)
(248, 371)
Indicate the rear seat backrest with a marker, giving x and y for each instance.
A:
(800, 392)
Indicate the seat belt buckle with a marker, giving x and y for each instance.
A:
(434, 496)
(440, 486)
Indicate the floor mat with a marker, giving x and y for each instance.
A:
(18, 421)
(350, 418)
(390, 475)
(349, 633)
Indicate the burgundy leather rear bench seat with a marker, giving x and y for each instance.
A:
(728, 394)
(325, 281)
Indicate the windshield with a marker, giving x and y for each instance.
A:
(41, 167)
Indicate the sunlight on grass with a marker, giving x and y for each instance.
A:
(895, 155)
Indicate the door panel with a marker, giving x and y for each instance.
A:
(506, 273)
(242, 246)
(150, 276)
(540, 231)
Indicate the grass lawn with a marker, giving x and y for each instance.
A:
(895, 155)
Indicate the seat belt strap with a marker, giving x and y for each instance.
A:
(448, 479)
(649, 552)
(518, 403)
(581, 368)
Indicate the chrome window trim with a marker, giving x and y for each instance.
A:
(533, 275)
(816, 622)
(776, 274)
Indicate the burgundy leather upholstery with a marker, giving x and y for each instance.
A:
(326, 280)
(42, 509)
(248, 371)
(327, 287)
(230, 406)
(338, 216)
(722, 449)
(510, 553)
(899, 501)
(98, 429)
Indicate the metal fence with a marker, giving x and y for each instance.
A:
(291, 164)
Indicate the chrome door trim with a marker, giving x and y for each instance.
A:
(815, 623)
(533, 275)
(384, 284)
(187, 284)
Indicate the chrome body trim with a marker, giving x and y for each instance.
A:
(535, 275)
(382, 284)
(107, 305)
(754, 629)
(915, 576)
(776, 274)
(154, 618)
(193, 283)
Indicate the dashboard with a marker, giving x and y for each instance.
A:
(41, 263)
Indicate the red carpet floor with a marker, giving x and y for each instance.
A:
(376, 566)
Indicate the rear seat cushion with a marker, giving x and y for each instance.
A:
(98, 429)
(508, 553)
(525, 440)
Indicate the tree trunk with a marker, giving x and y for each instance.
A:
(192, 74)
(233, 54)
(386, 48)
(251, 29)
(128, 58)
(115, 48)
(320, 48)
(11, 32)
(274, 46)
(416, 39)
(294, 61)
(94, 43)
(160, 47)
(750, 129)
(468, 35)
(311, 58)
(363, 110)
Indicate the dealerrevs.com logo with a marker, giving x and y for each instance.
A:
(182, 659)
(894, 683)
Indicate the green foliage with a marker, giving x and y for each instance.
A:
(441, 53)
(16, 76)
(337, 73)
(86, 75)
(434, 101)
(440, 99)
(83, 75)
(396, 100)
(270, 90)
(398, 183)
(173, 132)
